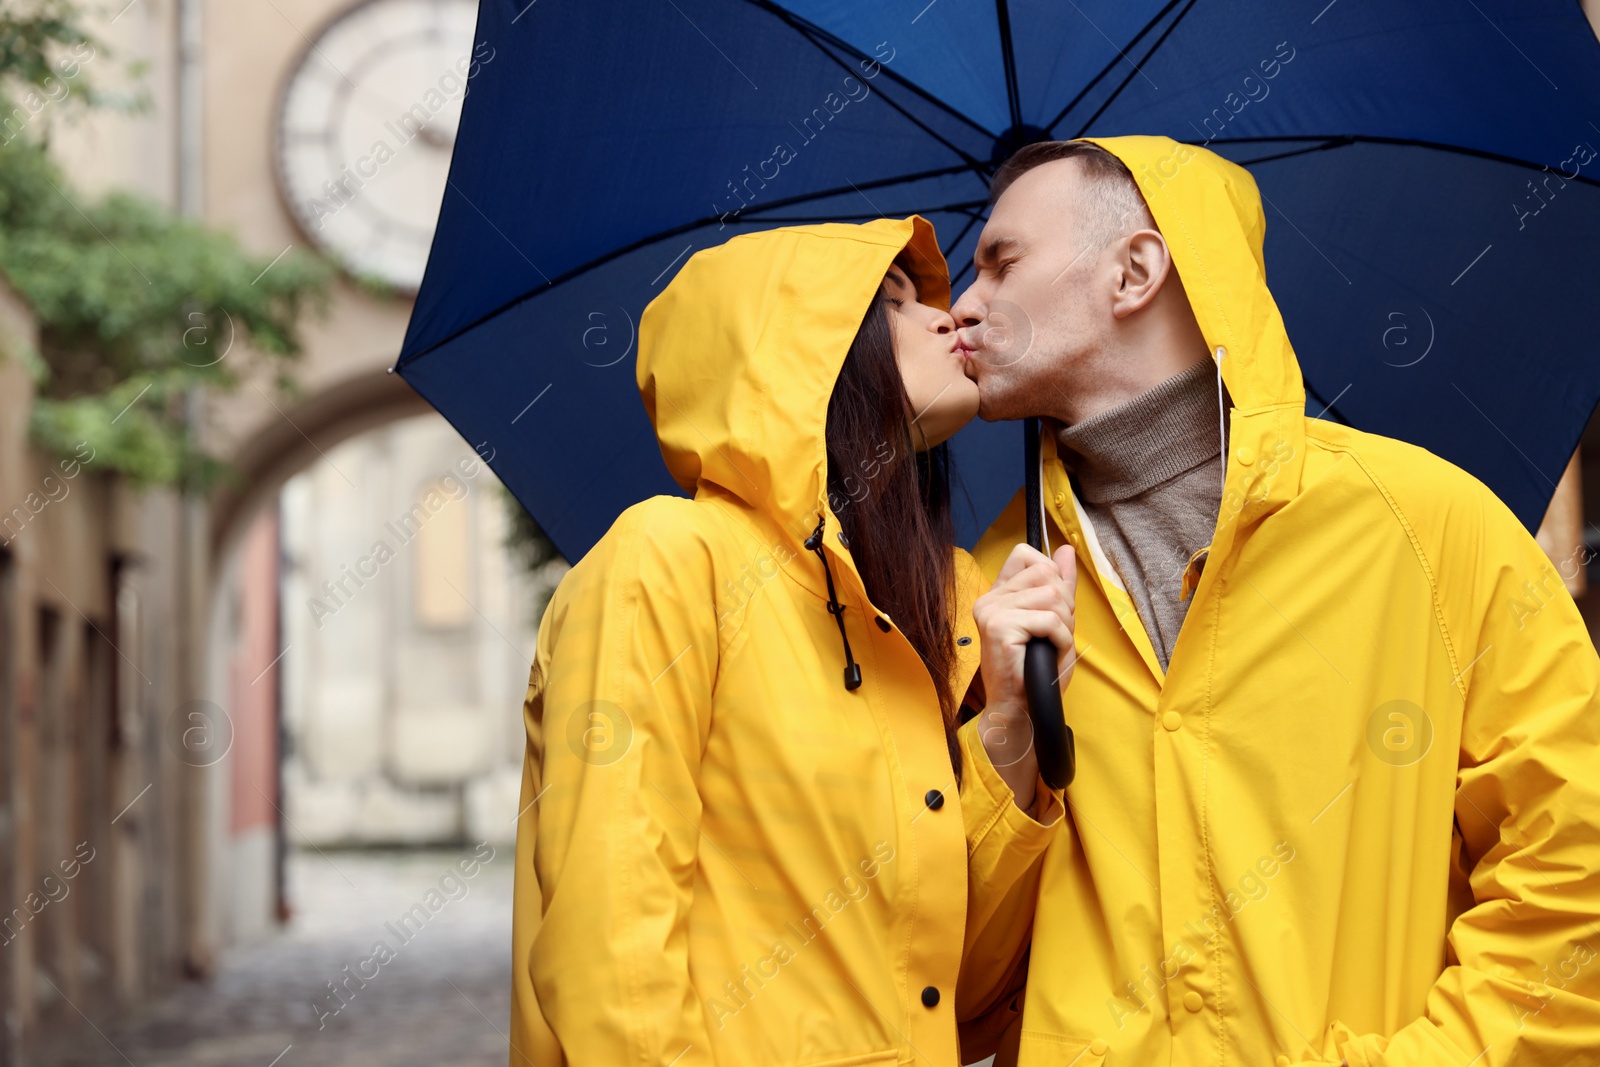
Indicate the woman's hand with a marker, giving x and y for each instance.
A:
(1032, 597)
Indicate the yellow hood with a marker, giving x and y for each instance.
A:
(1354, 819)
(1210, 212)
(739, 354)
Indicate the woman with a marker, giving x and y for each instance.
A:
(748, 809)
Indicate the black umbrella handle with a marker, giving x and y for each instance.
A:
(1052, 737)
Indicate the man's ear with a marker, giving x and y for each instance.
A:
(1141, 272)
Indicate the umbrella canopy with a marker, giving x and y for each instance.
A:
(1428, 171)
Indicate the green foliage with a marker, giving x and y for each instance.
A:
(44, 52)
(532, 548)
(136, 307)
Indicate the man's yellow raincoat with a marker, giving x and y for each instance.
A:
(724, 856)
(1359, 818)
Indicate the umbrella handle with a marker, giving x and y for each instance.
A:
(1053, 741)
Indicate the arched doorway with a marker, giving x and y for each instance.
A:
(368, 642)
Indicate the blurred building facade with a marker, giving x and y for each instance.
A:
(181, 698)
(95, 847)
(402, 719)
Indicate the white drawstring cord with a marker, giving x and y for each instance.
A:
(1044, 523)
(1222, 420)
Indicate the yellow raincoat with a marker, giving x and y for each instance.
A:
(724, 856)
(1359, 818)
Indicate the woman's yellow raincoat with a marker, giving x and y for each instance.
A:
(1359, 817)
(724, 856)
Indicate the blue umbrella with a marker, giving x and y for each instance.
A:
(1428, 170)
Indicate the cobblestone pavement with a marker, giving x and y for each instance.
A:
(442, 999)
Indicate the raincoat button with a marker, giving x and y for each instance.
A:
(963, 641)
(934, 799)
(1098, 1047)
(1061, 500)
(1282, 1061)
(1246, 454)
(883, 624)
(930, 996)
(1193, 1001)
(1172, 720)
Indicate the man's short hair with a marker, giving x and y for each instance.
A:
(1115, 206)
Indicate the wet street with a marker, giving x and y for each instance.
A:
(439, 996)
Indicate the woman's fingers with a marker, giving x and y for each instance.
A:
(1067, 562)
(1051, 597)
(1047, 624)
(1033, 596)
(1007, 633)
(1027, 567)
(1021, 558)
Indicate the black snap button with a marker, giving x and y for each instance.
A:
(934, 799)
(963, 641)
(883, 624)
(930, 997)
(843, 540)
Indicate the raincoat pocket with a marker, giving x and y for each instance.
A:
(1038, 1049)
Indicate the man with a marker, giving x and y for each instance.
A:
(1338, 722)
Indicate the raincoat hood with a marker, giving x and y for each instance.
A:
(1209, 211)
(739, 354)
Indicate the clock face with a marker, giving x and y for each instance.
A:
(366, 126)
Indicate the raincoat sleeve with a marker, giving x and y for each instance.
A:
(1005, 849)
(618, 713)
(1521, 981)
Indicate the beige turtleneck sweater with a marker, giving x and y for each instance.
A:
(1149, 474)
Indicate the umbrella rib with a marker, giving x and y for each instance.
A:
(971, 162)
(1328, 407)
(811, 31)
(1008, 61)
(1118, 90)
(964, 208)
(1112, 64)
(820, 194)
(1341, 140)
(964, 231)
(662, 235)
(1321, 146)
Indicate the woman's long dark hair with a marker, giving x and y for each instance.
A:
(894, 504)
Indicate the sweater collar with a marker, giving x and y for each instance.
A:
(1163, 432)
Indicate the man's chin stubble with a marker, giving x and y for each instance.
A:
(999, 404)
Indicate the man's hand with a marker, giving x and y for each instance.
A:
(1032, 597)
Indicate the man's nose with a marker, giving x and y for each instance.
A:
(968, 311)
